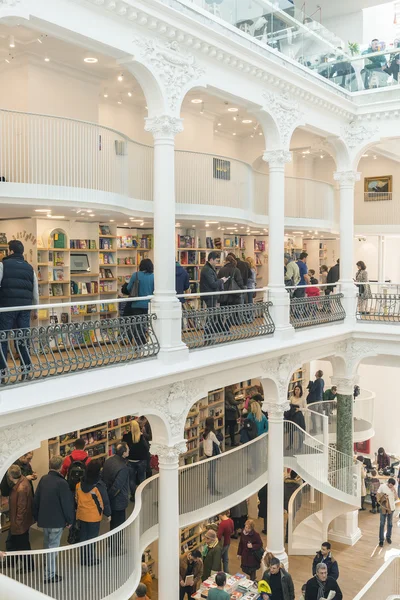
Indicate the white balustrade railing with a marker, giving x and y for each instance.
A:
(380, 208)
(303, 503)
(67, 159)
(384, 584)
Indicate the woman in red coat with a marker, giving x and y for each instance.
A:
(250, 541)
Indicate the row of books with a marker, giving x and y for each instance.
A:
(107, 286)
(187, 241)
(82, 244)
(57, 258)
(106, 274)
(84, 287)
(82, 309)
(235, 241)
(107, 258)
(127, 241)
(259, 245)
(104, 230)
(190, 257)
(106, 243)
(127, 260)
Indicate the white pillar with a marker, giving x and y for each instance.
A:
(276, 231)
(381, 258)
(168, 516)
(275, 522)
(165, 304)
(347, 180)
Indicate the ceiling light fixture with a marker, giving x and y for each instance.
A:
(56, 216)
(111, 220)
(12, 42)
(40, 41)
(260, 133)
(193, 225)
(365, 155)
(322, 156)
(105, 95)
(234, 133)
(7, 61)
(126, 223)
(247, 121)
(212, 222)
(43, 210)
(46, 59)
(219, 124)
(120, 77)
(130, 94)
(374, 157)
(197, 101)
(215, 130)
(207, 226)
(232, 109)
(90, 60)
(235, 118)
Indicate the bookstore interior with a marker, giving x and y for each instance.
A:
(102, 438)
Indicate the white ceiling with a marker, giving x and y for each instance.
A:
(337, 8)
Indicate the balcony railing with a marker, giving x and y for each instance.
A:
(384, 584)
(33, 353)
(51, 157)
(218, 325)
(316, 310)
(379, 302)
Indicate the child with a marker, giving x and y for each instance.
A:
(303, 592)
(374, 486)
(312, 291)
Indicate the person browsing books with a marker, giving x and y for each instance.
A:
(145, 279)
(219, 592)
(190, 573)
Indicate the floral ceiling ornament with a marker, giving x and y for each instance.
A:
(353, 351)
(280, 369)
(356, 133)
(286, 113)
(168, 454)
(164, 125)
(15, 437)
(174, 68)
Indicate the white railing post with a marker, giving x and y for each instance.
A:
(312, 495)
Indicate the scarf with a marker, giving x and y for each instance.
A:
(321, 589)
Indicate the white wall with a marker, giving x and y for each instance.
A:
(348, 27)
(367, 252)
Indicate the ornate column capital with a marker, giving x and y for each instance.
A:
(345, 385)
(277, 158)
(346, 178)
(164, 126)
(286, 113)
(168, 455)
(18, 438)
(275, 410)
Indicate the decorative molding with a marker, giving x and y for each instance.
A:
(174, 401)
(174, 68)
(275, 409)
(356, 133)
(14, 438)
(347, 178)
(345, 385)
(286, 113)
(353, 351)
(277, 158)
(164, 126)
(280, 369)
(168, 455)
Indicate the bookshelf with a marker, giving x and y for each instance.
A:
(192, 536)
(300, 376)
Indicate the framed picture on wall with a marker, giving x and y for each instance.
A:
(221, 169)
(377, 189)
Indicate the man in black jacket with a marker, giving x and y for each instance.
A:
(116, 477)
(279, 580)
(53, 509)
(209, 281)
(243, 267)
(324, 556)
(320, 585)
(18, 287)
(333, 277)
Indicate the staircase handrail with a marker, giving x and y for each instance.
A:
(291, 516)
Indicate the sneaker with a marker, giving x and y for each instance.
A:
(381, 544)
(389, 540)
(55, 579)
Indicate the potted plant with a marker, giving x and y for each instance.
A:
(354, 48)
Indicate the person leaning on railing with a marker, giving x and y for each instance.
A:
(18, 287)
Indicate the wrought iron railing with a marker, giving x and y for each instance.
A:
(381, 307)
(316, 310)
(40, 352)
(218, 325)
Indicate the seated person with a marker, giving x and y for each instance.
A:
(394, 67)
(373, 63)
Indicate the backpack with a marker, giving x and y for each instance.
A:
(250, 427)
(76, 472)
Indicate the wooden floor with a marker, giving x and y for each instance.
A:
(357, 563)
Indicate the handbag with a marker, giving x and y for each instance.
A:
(135, 288)
(361, 289)
(258, 554)
(216, 449)
(74, 534)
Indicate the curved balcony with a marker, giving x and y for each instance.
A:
(363, 415)
(239, 473)
(66, 161)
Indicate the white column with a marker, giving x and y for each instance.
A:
(347, 180)
(381, 258)
(276, 232)
(168, 516)
(165, 304)
(275, 522)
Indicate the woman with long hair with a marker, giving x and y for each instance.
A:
(364, 289)
(211, 447)
(138, 456)
(252, 280)
(234, 282)
(258, 417)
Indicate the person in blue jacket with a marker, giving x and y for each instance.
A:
(182, 282)
(257, 416)
(145, 277)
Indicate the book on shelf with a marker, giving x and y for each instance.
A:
(104, 230)
(259, 245)
(59, 240)
(84, 287)
(57, 258)
(108, 307)
(209, 243)
(105, 244)
(188, 257)
(146, 241)
(127, 260)
(58, 274)
(56, 289)
(106, 258)
(186, 241)
(42, 314)
(82, 244)
(218, 243)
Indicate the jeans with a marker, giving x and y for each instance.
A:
(17, 319)
(188, 590)
(52, 539)
(117, 518)
(137, 474)
(249, 298)
(230, 426)
(373, 501)
(225, 558)
(389, 518)
(88, 532)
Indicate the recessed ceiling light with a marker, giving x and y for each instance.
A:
(126, 223)
(130, 94)
(12, 42)
(232, 109)
(197, 101)
(212, 222)
(215, 130)
(246, 121)
(56, 216)
(374, 157)
(242, 228)
(260, 133)
(193, 225)
(46, 59)
(219, 124)
(235, 118)
(306, 152)
(40, 41)
(365, 155)
(90, 59)
(119, 102)
(120, 77)
(207, 226)
(7, 61)
(43, 210)
(252, 135)
(233, 133)
(111, 220)
(322, 156)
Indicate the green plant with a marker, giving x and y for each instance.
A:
(354, 48)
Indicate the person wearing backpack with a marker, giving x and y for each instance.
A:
(92, 503)
(74, 465)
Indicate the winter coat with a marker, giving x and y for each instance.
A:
(53, 505)
(209, 282)
(263, 502)
(17, 283)
(316, 391)
(244, 269)
(234, 283)
(331, 584)
(116, 478)
(90, 513)
(262, 426)
(247, 554)
(76, 456)
(231, 407)
(197, 570)
(287, 583)
(289, 488)
(181, 281)
(329, 561)
(364, 288)
(21, 507)
(333, 276)
(212, 561)
(146, 287)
